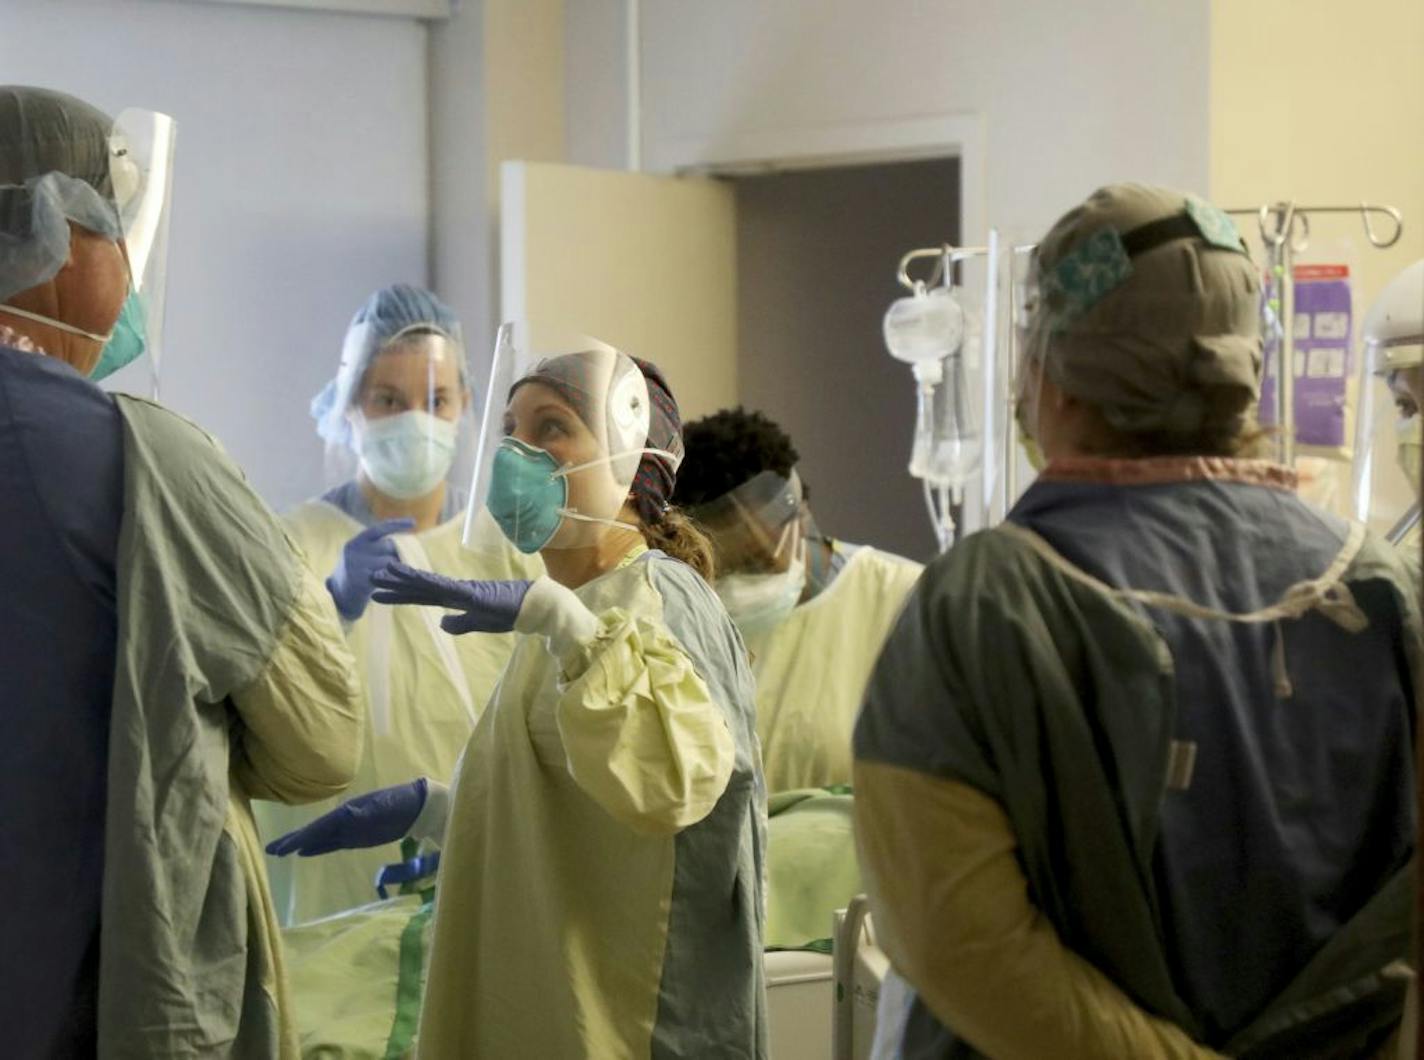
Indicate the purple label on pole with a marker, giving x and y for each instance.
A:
(1322, 355)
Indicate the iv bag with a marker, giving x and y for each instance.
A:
(958, 437)
(923, 328)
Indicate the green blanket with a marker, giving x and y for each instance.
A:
(812, 869)
(357, 978)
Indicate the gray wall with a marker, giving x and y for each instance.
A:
(1071, 95)
(816, 258)
(300, 185)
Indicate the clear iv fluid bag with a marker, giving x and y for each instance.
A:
(949, 439)
(925, 327)
(928, 331)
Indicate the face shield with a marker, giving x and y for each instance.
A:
(757, 528)
(398, 417)
(141, 171)
(63, 163)
(564, 430)
(761, 533)
(1029, 350)
(1389, 427)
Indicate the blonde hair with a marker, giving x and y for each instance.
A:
(679, 537)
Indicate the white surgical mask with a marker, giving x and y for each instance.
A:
(760, 602)
(1409, 435)
(408, 455)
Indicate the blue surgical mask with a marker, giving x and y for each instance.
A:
(127, 341)
(527, 494)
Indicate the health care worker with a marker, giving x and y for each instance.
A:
(1392, 381)
(167, 655)
(600, 893)
(1134, 775)
(814, 611)
(396, 420)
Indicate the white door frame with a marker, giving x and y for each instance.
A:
(954, 134)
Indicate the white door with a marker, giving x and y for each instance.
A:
(645, 263)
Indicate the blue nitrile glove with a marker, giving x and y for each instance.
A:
(488, 606)
(362, 556)
(370, 820)
(408, 871)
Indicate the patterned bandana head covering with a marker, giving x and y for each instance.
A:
(657, 475)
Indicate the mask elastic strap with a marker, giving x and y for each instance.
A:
(564, 471)
(569, 513)
(59, 324)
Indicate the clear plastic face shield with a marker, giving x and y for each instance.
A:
(141, 171)
(1389, 428)
(398, 418)
(1029, 351)
(564, 429)
(761, 532)
(757, 528)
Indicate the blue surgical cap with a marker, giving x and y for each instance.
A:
(390, 314)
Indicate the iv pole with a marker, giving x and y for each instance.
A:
(1277, 222)
(1285, 232)
(945, 503)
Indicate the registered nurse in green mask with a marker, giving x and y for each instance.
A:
(603, 840)
(397, 426)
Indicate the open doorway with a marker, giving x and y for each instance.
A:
(817, 251)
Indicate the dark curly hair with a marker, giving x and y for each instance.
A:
(727, 448)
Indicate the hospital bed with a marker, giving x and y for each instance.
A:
(823, 1007)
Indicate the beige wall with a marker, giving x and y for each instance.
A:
(1322, 102)
(646, 263)
(524, 82)
(496, 75)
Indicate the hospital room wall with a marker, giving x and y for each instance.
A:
(1048, 80)
(1331, 112)
(497, 78)
(300, 186)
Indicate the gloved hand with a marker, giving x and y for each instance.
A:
(362, 556)
(488, 606)
(403, 872)
(369, 820)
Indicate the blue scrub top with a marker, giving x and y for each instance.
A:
(1299, 810)
(61, 501)
(348, 498)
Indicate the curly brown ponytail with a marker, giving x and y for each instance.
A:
(679, 537)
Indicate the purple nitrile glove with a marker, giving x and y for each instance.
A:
(488, 606)
(370, 820)
(362, 556)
